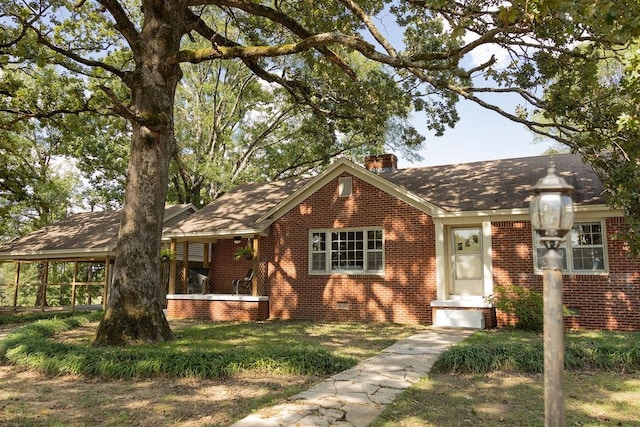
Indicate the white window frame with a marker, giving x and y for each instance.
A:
(567, 248)
(328, 250)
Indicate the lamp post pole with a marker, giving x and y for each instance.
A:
(553, 339)
(551, 212)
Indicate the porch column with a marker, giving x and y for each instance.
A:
(487, 259)
(185, 266)
(44, 283)
(205, 255)
(73, 285)
(107, 280)
(255, 266)
(441, 261)
(173, 266)
(17, 283)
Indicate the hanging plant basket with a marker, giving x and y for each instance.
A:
(244, 252)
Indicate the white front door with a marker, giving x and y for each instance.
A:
(466, 262)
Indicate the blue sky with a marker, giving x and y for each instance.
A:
(479, 135)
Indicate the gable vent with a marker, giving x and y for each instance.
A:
(344, 186)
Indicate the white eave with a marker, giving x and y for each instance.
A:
(213, 235)
(58, 254)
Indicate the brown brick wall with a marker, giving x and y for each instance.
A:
(402, 295)
(609, 301)
(217, 310)
(224, 269)
(408, 286)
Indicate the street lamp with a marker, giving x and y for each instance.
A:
(551, 212)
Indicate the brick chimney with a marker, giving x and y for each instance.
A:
(381, 163)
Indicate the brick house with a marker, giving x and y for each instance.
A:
(419, 245)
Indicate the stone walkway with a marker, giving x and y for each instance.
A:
(355, 397)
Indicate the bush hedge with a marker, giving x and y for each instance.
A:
(32, 346)
(504, 351)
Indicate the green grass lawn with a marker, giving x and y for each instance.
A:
(496, 379)
(492, 378)
(204, 350)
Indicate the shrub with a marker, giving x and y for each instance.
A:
(524, 304)
(31, 346)
(491, 356)
(600, 351)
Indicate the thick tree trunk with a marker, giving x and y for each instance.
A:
(134, 307)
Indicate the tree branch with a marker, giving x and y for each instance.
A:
(366, 19)
(77, 58)
(226, 52)
(22, 115)
(284, 20)
(118, 107)
(123, 23)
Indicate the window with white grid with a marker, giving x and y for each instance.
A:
(583, 250)
(350, 251)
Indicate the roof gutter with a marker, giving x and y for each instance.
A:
(523, 213)
(57, 254)
(217, 234)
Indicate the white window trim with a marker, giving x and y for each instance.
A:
(327, 252)
(570, 271)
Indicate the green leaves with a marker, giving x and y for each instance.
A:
(232, 127)
(524, 352)
(34, 346)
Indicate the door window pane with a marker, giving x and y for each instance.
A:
(466, 241)
(468, 267)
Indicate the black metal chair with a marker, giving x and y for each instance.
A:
(244, 282)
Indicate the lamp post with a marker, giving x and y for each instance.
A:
(551, 212)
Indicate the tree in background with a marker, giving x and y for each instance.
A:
(34, 190)
(131, 55)
(594, 110)
(35, 187)
(52, 163)
(233, 126)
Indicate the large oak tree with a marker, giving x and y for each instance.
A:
(233, 127)
(129, 54)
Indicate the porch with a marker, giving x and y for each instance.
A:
(197, 290)
(54, 284)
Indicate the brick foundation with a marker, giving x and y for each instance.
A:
(217, 307)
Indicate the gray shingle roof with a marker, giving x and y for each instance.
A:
(238, 209)
(496, 184)
(87, 231)
(489, 185)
